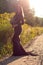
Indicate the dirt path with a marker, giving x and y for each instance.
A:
(36, 47)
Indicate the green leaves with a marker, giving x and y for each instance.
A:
(29, 33)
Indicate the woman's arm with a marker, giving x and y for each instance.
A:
(22, 20)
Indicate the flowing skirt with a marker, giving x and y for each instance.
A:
(17, 48)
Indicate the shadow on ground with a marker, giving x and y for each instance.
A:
(9, 60)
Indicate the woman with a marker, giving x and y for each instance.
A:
(16, 22)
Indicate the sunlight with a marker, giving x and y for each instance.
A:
(38, 7)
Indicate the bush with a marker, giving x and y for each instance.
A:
(29, 33)
(6, 32)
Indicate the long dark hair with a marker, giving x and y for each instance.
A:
(19, 16)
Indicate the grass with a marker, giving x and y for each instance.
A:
(6, 32)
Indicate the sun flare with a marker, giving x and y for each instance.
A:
(38, 7)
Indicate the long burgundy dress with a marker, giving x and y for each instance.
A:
(17, 48)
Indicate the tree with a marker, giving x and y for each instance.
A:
(3, 6)
(7, 5)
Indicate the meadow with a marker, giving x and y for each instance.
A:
(6, 33)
